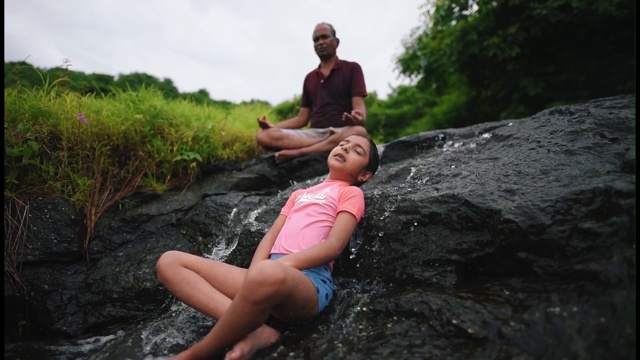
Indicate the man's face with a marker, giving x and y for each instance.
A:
(324, 43)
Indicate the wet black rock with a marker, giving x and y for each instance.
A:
(512, 239)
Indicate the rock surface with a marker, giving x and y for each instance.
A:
(504, 240)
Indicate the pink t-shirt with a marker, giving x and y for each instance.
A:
(311, 213)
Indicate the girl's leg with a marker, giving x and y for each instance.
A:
(208, 286)
(269, 287)
(204, 284)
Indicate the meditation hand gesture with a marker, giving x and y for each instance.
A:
(356, 117)
(264, 123)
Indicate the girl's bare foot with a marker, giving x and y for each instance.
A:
(259, 339)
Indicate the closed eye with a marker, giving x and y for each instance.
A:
(360, 150)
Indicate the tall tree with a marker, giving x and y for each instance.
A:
(497, 59)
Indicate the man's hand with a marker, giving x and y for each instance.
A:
(355, 118)
(264, 123)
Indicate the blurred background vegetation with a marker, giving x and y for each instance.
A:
(95, 138)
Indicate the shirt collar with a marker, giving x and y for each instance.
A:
(336, 65)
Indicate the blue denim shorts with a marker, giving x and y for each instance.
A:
(321, 278)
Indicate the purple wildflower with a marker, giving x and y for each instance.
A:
(81, 117)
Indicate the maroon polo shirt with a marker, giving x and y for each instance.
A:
(329, 97)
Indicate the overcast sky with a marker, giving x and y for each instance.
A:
(235, 49)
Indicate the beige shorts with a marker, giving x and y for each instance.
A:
(312, 133)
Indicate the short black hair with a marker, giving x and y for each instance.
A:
(333, 30)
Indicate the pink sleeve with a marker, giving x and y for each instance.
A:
(351, 199)
(289, 204)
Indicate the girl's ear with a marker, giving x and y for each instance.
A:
(364, 176)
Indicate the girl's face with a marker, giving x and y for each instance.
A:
(348, 160)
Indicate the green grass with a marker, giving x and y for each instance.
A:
(97, 150)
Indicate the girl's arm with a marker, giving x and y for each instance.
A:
(327, 250)
(265, 245)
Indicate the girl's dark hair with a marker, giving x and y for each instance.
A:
(374, 158)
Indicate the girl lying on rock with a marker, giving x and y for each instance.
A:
(290, 275)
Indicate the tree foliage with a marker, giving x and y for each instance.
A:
(25, 75)
(475, 61)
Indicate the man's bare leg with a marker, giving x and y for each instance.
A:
(274, 138)
(324, 145)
